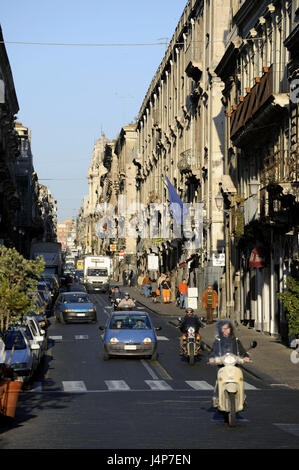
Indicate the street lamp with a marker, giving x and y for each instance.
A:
(219, 201)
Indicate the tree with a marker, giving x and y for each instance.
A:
(290, 300)
(18, 281)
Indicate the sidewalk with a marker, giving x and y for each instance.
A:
(271, 359)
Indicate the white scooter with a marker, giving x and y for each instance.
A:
(231, 397)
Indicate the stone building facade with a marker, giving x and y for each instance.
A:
(261, 156)
(180, 134)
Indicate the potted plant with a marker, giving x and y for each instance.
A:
(18, 279)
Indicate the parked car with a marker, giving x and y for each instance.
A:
(19, 353)
(38, 333)
(52, 284)
(46, 294)
(74, 306)
(130, 333)
(41, 319)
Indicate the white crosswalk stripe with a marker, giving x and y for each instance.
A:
(117, 385)
(121, 385)
(199, 385)
(158, 385)
(74, 386)
(162, 338)
(248, 386)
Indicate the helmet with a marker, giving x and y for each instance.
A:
(189, 310)
(126, 293)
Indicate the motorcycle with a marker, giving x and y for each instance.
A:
(191, 347)
(230, 397)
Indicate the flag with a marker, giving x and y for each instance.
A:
(176, 204)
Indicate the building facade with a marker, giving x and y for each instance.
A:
(180, 134)
(261, 156)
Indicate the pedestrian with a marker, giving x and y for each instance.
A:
(183, 290)
(125, 277)
(161, 278)
(155, 290)
(147, 286)
(132, 278)
(210, 302)
(140, 282)
(166, 286)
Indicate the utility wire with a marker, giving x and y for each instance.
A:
(84, 44)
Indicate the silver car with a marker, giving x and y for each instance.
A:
(18, 353)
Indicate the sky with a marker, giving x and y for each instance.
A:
(69, 95)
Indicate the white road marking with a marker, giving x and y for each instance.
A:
(248, 386)
(117, 385)
(162, 338)
(56, 338)
(149, 369)
(81, 336)
(290, 428)
(73, 386)
(199, 385)
(158, 385)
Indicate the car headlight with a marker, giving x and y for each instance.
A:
(91, 309)
(229, 360)
(147, 340)
(113, 340)
(69, 310)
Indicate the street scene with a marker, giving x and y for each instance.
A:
(160, 316)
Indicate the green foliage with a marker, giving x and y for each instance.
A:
(18, 280)
(290, 299)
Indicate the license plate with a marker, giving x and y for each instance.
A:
(80, 314)
(130, 347)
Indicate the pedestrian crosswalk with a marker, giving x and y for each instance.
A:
(79, 386)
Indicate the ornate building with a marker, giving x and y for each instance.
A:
(261, 156)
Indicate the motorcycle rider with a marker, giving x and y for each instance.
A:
(126, 302)
(226, 342)
(190, 319)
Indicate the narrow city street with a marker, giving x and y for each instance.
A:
(80, 401)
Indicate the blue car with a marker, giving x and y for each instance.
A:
(130, 333)
(74, 307)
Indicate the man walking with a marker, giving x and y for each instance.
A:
(183, 290)
(210, 302)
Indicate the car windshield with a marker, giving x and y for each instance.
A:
(14, 339)
(129, 322)
(75, 298)
(97, 272)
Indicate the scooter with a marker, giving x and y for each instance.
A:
(230, 398)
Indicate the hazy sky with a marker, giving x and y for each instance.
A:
(68, 95)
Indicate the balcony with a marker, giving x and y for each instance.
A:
(259, 109)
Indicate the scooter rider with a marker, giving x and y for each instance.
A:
(190, 319)
(126, 302)
(226, 342)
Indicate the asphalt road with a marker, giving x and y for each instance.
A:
(80, 401)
